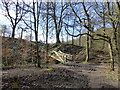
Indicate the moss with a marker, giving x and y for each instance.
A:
(2, 65)
(61, 62)
(84, 62)
(111, 77)
(48, 69)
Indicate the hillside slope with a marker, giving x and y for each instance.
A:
(17, 51)
(97, 44)
(79, 53)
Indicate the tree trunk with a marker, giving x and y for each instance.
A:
(3, 33)
(89, 28)
(57, 38)
(37, 50)
(36, 23)
(21, 34)
(47, 32)
(79, 40)
(67, 38)
(104, 26)
(87, 48)
(90, 42)
(57, 27)
(62, 36)
(111, 55)
(118, 33)
(117, 4)
(103, 32)
(13, 32)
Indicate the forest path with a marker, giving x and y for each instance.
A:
(69, 75)
(98, 75)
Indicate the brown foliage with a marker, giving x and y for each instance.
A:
(17, 51)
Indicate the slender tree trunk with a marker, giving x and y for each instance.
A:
(67, 38)
(57, 37)
(90, 42)
(37, 50)
(90, 39)
(62, 36)
(4, 34)
(73, 36)
(111, 55)
(117, 4)
(79, 40)
(87, 48)
(114, 28)
(21, 34)
(57, 25)
(13, 32)
(89, 28)
(115, 37)
(36, 23)
(118, 44)
(73, 39)
(47, 33)
(103, 29)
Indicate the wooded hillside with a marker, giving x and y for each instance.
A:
(53, 44)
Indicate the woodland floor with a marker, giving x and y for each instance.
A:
(69, 75)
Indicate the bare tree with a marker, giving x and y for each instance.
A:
(34, 10)
(73, 32)
(111, 9)
(117, 4)
(109, 39)
(58, 17)
(117, 8)
(3, 30)
(22, 30)
(88, 27)
(104, 25)
(91, 33)
(47, 25)
(12, 6)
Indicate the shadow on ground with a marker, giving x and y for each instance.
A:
(56, 78)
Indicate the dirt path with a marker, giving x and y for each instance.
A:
(68, 75)
(97, 75)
